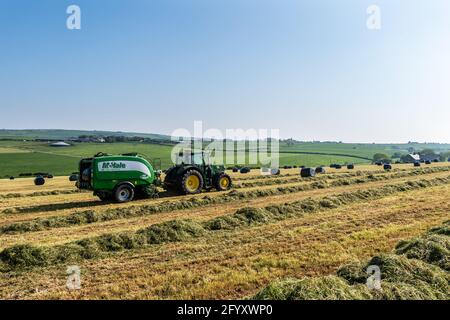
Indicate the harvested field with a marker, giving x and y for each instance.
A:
(222, 245)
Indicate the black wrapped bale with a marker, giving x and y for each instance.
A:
(235, 169)
(337, 166)
(428, 162)
(39, 180)
(350, 166)
(307, 172)
(245, 170)
(387, 166)
(320, 170)
(417, 164)
(73, 177)
(11, 178)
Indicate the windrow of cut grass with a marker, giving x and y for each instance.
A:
(433, 247)
(91, 216)
(374, 176)
(336, 174)
(412, 272)
(26, 256)
(40, 193)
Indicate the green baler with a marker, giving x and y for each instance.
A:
(119, 177)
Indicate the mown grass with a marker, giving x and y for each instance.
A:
(91, 216)
(407, 274)
(27, 256)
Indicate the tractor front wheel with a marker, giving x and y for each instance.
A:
(223, 182)
(191, 182)
(124, 193)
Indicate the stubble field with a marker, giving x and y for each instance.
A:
(213, 245)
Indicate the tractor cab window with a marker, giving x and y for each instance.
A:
(197, 159)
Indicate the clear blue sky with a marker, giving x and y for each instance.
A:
(310, 68)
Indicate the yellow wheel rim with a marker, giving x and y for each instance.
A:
(224, 182)
(192, 183)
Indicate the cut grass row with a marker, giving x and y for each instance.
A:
(26, 256)
(91, 216)
(296, 178)
(418, 269)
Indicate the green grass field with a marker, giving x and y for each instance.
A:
(25, 156)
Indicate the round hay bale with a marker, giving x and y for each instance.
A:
(387, 166)
(350, 166)
(49, 176)
(39, 180)
(307, 172)
(428, 162)
(245, 170)
(11, 178)
(73, 177)
(320, 170)
(417, 164)
(235, 169)
(275, 172)
(337, 166)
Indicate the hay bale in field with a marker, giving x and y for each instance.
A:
(11, 178)
(73, 177)
(387, 166)
(274, 171)
(235, 169)
(417, 164)
(39, 181)
(428, 162)
(351, 166)
(50, 176)
(320, 170)
(338, 166)
(307, 172)
(245, 170)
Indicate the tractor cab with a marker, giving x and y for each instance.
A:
(194, 172)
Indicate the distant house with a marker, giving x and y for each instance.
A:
(59, 144)
(430, 157)
(411, 158)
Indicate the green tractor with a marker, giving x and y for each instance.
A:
(194, 173)
(128, 176)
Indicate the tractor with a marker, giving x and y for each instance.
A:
(194, 173)
(125, 177)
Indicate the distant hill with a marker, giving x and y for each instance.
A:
(60, 134)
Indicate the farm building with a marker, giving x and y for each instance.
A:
(59, 144)
(411, 158)
(430, 157)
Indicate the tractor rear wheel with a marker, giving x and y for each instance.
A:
(191, 182)
(223, 182)
(124, 193)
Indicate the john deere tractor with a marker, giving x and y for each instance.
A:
(193, 173)
(124, 177)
